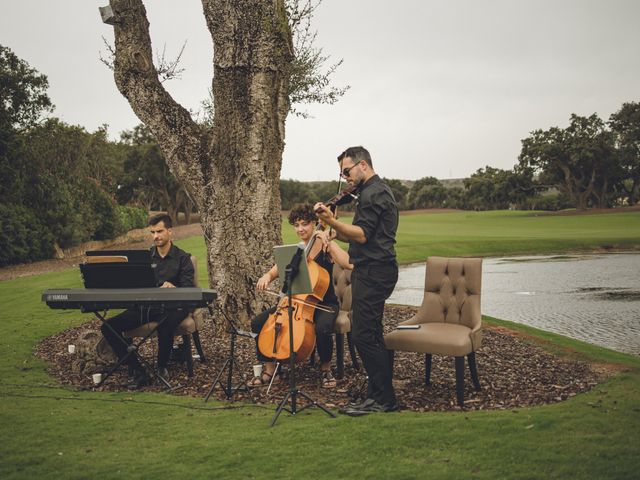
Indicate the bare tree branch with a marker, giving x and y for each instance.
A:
(309, 83)
(108, 60)
(167, 69)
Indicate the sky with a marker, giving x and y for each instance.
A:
(436, 88)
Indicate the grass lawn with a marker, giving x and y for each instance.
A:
(54, 432)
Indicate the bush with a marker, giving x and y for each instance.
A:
(23, 237)
(99, 211)
(551, 202)
(129, 218)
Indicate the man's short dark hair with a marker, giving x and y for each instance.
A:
(356, 154)
(161, 217)
(302, 211)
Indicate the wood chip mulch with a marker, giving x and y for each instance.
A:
(514, 372)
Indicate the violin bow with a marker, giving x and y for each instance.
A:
(335, 212)
(298, 300)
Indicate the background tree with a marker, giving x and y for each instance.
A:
(496, 189)
(23, 92)
(23, 102)
(232, 168)
(425, 193)
(146, 178)
(625, 125)
(573, 158)
(71, 179)
(400, 192)
(293, 192)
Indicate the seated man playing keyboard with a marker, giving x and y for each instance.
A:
(174, 269)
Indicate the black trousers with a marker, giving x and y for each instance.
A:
(371, 285)
(130, 319)
(324, 324)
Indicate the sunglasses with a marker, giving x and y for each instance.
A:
(345, 171)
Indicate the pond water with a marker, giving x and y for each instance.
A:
(594, 298)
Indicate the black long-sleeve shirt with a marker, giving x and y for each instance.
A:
(175, 267)
(377, 215)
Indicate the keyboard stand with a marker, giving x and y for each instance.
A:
(132, 349)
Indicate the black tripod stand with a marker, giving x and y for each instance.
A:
(290, 272)
(229, 389)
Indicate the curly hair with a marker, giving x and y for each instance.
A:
(302, 211)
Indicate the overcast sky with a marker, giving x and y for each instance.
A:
(437, 88)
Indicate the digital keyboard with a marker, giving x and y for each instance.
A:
(96, 299)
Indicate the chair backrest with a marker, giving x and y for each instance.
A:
(452, 291)
(342, 286)
(194, 261)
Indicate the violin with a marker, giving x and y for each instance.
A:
(274, 341)
(341, 198)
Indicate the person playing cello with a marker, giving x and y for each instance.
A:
(324, 253)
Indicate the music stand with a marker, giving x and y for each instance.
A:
(296, 279)
(229, 389)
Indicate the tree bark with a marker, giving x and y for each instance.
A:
(231, 171)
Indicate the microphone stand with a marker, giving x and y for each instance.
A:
(290, 273)
(229, 389)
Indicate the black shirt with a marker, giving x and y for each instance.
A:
(175, 267)
(377, 215)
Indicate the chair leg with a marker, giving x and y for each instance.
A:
(460, 380)
(196, 341)
(352, 352)
(471, 358)
(427, 369)
(340, 355)
(186, 342)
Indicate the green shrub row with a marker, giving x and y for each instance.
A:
(23, 237)
(28, 236)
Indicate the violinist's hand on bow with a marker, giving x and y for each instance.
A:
(323, 212)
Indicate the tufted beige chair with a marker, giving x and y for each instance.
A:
(449, 319)
(342, 287)
(189, 327)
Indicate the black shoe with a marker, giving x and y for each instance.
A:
(374, 407)
(357, 405)
(140, 379)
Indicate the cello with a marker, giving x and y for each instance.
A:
(274, 338)
(274, 341)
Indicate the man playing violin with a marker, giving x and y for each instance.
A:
(371, 238)
(324, 253)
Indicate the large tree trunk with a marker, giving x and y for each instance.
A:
(232, 170)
